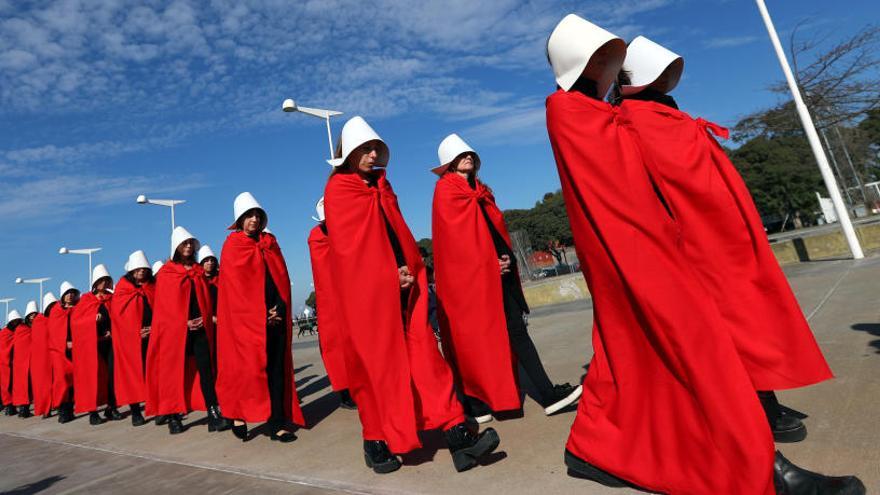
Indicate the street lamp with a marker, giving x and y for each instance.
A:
(290, 106)
(40, 281)
(171, 203)
(87, 251)
(6, 301)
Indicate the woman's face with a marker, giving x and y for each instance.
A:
(103, 285)
(209, 264)
(363, 158)
(70, 298)
(186, 248)
(140, 275)
(252, 221)
(597, 68)
(464, 164)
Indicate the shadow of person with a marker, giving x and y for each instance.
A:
(314, 387)
(35, 487)
(871, 329)
(302, 368)
(432, 441)
(318, 409)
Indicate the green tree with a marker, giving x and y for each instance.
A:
(546, 224)
(310, 301)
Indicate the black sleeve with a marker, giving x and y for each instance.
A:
(103, 326)
(194, 310)
(273, 297)
(395, 243)
(501, 247)
(147, 317)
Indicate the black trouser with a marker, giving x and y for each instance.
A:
(276, 338)
(105, 352)
(197, 346)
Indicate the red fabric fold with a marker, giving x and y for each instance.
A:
(21, 365)
(330, 329)
(470, 301)
(172, 379)
(62, 366)
(127, 313)
(667, 402)
(397, 376)
(242, 382)
(7, 337)
(725, 241)
(90, 373)
(41, 365)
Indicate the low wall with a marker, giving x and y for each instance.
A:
(555, 290)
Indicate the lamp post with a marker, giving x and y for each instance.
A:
(290, 106)
(39, 281)
(86, 251)
(171, 203)
(6, 301)
(813, 137)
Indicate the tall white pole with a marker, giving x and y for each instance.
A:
(810, 129)
(89, 285)
(172, 217)
(329, 136)
(40, 301)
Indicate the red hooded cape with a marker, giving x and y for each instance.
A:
(242, 383)
(725, 241)
(667, 402)
(62, 367)
(473, 324)
(41, 365)
(21, 365)
(172, 377)
(127, 314)
(396, 373)
(330, 330)
(7, 337)
(90, 372)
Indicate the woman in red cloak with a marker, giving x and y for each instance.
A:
(22, 359)
(181, 341)
(255, 379)
(722, 233)
(61, 352)
(93, 350)
(209, 263)
(480, 297)
(132, 315)
(330, 330)
(396, 373)
(41, 361)
(7, 338)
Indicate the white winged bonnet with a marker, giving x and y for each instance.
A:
(646, 62)
(451, 148)
(356, 132)
(244, 202)
(137, 260)
(571, 47)
(205, 252)
(178, 236)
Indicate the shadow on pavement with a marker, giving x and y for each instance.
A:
(318, 409)
(871, 328)
(314, 387)
(36, 487)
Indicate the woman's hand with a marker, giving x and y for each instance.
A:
(145, 332)
(195, 324)
(273, 318)
(504, 263)
(99, 317)
(406, 279)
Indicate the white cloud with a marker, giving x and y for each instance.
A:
(730, 41)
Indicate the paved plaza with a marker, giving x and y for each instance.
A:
(840, 298)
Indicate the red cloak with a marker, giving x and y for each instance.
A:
(21, 365)
(667, 403)
(172, 378)
(62, 366)
(127, 313)
(242, 382)
(397, 376)
(90, 373)
(725, 241)
(41, 365)
(330, 330)
(473, 323)
(7, 337)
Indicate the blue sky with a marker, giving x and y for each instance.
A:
(103, 100)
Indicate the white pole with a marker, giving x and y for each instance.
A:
(830, 183)
(40, 302)
(172, 217)
(89, 278)
(329, 135)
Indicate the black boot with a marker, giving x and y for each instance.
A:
(175, 425)
(10, 410)
(579, 468)
(216, 422)
(240, 431)
(786, 428)
(137, 417)
(792, 480)
(65, 413)
(161, 420)
(24, 412)
(112, 414)
(466, 447)
(345, 400)
(95, 418)
(379, 458)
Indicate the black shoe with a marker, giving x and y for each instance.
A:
(561, 397)
(788, 429)
(216, 422)
(379, 458)
(95, 419)
(24, 412)
(240, 431)
(175, 426)
(10, 410)
(137, 417)
(792, 480)
(112, 414)
(280, 434)
(579, 468)
(345, 400)
(466, 447)
(161, 420)
(65, 413)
